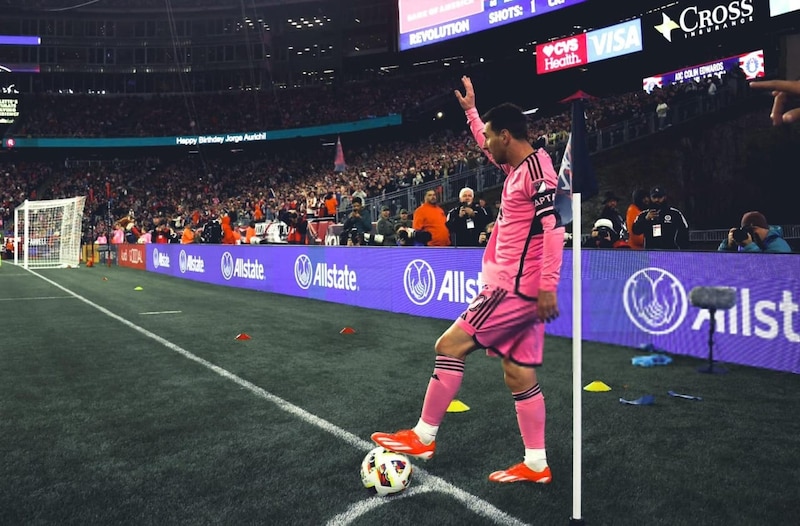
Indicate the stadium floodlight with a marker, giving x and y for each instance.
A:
(47, 234)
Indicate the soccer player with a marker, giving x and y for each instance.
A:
(521, 265)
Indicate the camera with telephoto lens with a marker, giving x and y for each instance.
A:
(740, 234)
(373, 240)
(603, 232)
(407, 236)
(355, 237)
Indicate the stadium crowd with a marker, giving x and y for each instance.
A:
(261, 185)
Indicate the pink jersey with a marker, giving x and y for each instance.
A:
(524, 252)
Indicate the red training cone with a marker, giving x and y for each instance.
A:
(243, 336)
(347, 330)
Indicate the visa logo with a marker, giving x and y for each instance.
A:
(614, 41)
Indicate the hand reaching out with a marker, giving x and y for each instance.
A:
(467, 101)
(782, 91)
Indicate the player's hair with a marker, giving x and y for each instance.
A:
(509, 117)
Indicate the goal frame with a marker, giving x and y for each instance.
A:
(69, 233)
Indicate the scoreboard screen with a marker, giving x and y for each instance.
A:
(423, 22)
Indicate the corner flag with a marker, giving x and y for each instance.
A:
(338, 162)
(575, 175)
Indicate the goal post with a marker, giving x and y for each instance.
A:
(47, 234)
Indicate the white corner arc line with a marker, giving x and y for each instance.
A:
(471, 502)
(362, 507)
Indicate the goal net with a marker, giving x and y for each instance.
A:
(47, 234)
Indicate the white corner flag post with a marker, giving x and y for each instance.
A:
(577, 366)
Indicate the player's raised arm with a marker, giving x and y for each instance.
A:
(467, 100)
(782, 91)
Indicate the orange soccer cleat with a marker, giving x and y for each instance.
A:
(522, 473)
(406, 442)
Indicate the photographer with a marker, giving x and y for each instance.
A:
(604, 235)
(755, 235)
(355, 226)
(466, 221)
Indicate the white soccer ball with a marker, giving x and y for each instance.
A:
(385, 472)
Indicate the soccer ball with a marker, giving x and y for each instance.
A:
(385, 472)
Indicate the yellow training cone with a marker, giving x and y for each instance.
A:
(138, 288)
(457, 406)
(597, 387)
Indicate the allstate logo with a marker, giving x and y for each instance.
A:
(419, 282)
(303, 271)
(155, 258)
(655, 301)
(227, 265)
(182, 261)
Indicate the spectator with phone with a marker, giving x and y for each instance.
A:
(663, 226)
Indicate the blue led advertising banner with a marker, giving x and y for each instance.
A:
(629, 297)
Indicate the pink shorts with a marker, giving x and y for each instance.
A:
(505, 325)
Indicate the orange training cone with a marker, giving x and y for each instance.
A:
(347, 330)
(89, 262)
(243, 336)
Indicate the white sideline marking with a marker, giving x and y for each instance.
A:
(39, 298)
(431, 482)
(160, 312)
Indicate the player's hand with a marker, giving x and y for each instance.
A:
(467, 101)
(547, 308)
(782, 90)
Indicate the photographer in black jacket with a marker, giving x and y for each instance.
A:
(467, 220)
(356, 225)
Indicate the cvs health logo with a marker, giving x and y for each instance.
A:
(561, 54)
(614, 41)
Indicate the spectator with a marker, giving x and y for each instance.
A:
(755, 235)
(162, 232)
(188, 237)
(330, 205)
(611, 213)
(297, 227)
(640, 201)
(385, 227)
(466, 220)
(429, 217)
(662, 113)
(212, 232)
(250, 232)
(403, 220)
(228, 237)
(663, 226)
(484, 236)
